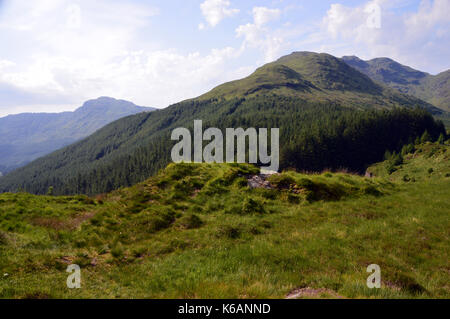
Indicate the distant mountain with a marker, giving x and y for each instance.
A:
(330, 115)
(434, 89)
(317, 77)
(27, 136)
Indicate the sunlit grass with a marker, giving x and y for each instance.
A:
(198, 231)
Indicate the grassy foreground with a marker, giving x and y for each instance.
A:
(199, 231)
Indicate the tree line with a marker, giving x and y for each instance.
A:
(313, 137)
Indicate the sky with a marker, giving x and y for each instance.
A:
(56, 54)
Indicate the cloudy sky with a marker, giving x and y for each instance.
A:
(55, 54)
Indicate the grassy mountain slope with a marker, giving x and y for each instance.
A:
(27, 136)
(319, 78)
(428, 162)
(434, 89)
(200, 231)
(316, 133)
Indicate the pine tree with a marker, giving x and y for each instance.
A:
(426, 137)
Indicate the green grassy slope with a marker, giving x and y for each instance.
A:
(316, 77)
(427, 163)
(199, 230)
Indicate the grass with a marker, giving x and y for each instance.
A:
(198, 231)
(429, 162)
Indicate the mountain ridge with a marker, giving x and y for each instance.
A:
(26, 136)
(434, 89)
(317, 77)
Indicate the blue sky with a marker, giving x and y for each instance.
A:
(55, 54)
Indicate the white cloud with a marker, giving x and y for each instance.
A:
(153, 78)
(419, 39)
(263, 15)
(215, 11)
(6, 63)
(429, 15)
(257, 35)
(82, 51)
(63, 52)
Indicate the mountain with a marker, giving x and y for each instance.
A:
(434, 89)
(317, 78)
(27, 136)
(330, 116)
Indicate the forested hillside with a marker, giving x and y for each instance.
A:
(329, 114)
(312, 137)
(27, 136)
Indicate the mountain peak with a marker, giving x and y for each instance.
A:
(109, 104)
(102, 100)
(301, 74)
(26, 136)
(386, 70)
(433, 89)
(318, 77)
